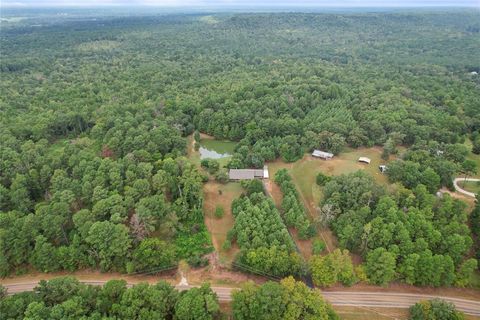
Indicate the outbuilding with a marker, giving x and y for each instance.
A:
(364, 160)
(248, 174)
(382, 168)
(322, 155)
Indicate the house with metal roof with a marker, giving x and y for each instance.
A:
(248, 174)
(322, 154)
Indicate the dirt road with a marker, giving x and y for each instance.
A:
(336, 298)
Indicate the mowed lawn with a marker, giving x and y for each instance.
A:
(304, 171)
(472, 186)
(216, 194)
(304, 174)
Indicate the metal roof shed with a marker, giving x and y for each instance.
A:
(322, 154)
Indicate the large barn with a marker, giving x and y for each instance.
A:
(248, 174)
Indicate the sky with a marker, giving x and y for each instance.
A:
(251, 3)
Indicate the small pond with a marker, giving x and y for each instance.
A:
(215, 149)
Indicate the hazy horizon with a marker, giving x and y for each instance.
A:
(238, 3)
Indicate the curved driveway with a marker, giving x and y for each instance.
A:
(465, 192)
(336, 298)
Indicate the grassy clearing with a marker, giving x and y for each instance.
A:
(304, 174)
(472, 186)
(218, 227)
(216, 194)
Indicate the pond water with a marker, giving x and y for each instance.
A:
(215, 149)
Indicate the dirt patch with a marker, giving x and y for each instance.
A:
(216, 194)
(221, 276)
(274, 191)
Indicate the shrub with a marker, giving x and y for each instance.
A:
(318, 247)
(322, 179)
(222, 176)
(332, 268)
(219, 212)
(434, 309)
(197, 261)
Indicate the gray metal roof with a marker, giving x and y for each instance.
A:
(245, 174)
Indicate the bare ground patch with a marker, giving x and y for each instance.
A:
(216, 194)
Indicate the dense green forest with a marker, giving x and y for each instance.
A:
(410, 234)
(266, 246)
(66, 298)
(95, 114)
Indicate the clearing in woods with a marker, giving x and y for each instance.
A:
(217, 194)
(304, 172)
(470, 186)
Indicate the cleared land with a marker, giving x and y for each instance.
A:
(304, 174)
(216, 194)
(470, 186)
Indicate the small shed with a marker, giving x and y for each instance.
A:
(382, 168)
(364, 160)
(322, 154)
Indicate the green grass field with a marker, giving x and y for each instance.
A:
(304, 171)
(471, 186)
(216, 194)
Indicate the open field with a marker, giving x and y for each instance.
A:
(306, 169)
(216, 194)
(471, 186)
(304, 174)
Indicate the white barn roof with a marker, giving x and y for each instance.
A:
(265, 172)
(322, 154)
(364, 159)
